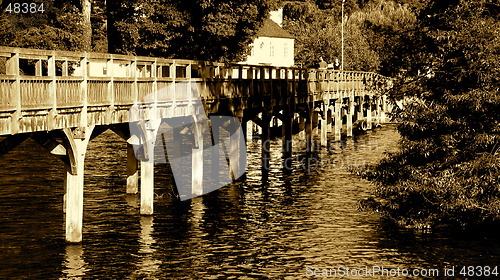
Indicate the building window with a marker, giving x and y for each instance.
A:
(271, 48)
(285, 50)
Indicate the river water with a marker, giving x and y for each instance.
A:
(285, 229)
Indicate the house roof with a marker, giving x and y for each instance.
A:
(273, 30)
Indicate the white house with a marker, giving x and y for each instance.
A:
(273, 45)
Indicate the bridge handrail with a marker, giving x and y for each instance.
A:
(33, 79)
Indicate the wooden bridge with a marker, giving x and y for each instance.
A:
(63, 100)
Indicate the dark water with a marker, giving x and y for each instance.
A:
(244, 231)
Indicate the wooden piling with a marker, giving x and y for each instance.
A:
(338, 119)
(76, 145)
(349, 116)
(287, 121)
(368, 112)
(324, 125)
(197, 161)
(266, 145)
(149, 131)
(308, 131)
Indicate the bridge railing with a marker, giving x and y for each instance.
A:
(69, 85)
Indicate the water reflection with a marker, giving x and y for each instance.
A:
(248, 230)
(75, 266)
(148, 265)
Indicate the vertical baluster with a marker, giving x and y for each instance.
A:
(51, 67)
(12, 68)
(84, 91)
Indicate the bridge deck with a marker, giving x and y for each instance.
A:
(48, 90)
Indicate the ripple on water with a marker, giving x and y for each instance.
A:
(247, 230)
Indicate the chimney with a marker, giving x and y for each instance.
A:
(277, 16)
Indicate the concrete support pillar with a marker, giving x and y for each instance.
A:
(338, 119)
(197, 161)
(287, 138)
(369, 112)
(266, 145)
(315, 123)
(149, 131)
(350, 113)
(324, 125)
(383, 110)
(360, 108)
(215, 155)
(309, 132)
(329, 118)
(132, 171)
(235, 150)
(302, 127)
(76, 145)
(248, 129)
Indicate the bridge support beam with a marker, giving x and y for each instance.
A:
(369, 112)
(308, 130)
(383, 109)
(360, 108)
(338, 119)
(248, 130)
(215, 153)
(197, 160)
(76, 141)
(149, 131)
(324, 124)
(315, 124)
(287, 127)
(302, 127)
(266, 145)
(377, 109)
(329, 117)
(349, 116)
(235, 145)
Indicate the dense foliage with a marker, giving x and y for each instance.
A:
(209, 30)
(58, 27)
(448, 170)
(372, 32)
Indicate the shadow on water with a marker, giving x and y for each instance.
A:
(246, 230)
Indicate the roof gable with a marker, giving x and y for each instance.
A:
(273, 30)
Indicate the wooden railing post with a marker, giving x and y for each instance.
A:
(12, 68)
(51, 72)
(111, 90)
(84, 90)
(135, 86)
(173, 75)
(154, 75)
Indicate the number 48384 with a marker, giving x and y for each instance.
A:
(25, 8)
(479, 271)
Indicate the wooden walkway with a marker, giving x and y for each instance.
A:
(65, 99)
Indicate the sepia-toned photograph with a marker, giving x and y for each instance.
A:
(249, 139)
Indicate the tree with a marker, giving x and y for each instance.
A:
(318, 35)
(58, 27)
(86, 7)
(207, 30)
(386, 25)
(448, 170)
